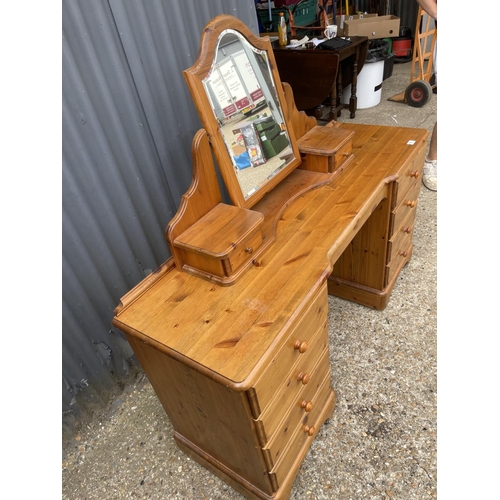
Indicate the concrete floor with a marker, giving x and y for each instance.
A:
(380, 442)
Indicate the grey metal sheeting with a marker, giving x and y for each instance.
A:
(127, 125)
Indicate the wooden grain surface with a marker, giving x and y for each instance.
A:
(203, 412)
(312, 74)
(219, 231)
(323, 141)
(229, 333)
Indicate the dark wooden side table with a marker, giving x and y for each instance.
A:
(318, 76)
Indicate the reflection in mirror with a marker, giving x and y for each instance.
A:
(245, 103)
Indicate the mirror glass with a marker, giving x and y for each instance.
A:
(245, 102)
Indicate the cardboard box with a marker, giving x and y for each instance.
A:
(238, 150)
(341, 21)
(372, 27)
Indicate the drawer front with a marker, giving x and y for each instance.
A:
(341, 156)
(201, 261)
(242, 253)
(407, 204)
(398, 245)
(303, 403)
(403, 229)
(295, 347)
(400, 256)
(409, 174)
(303, 434)
(291, 386)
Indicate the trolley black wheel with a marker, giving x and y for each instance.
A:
(418, 93)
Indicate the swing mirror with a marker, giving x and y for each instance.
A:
(238, 94)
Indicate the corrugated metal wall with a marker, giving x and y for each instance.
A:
(127, 125)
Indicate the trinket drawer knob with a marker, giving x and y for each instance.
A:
(404, 254)
(410, 204)
(300, 346)
(304, 378)
(309, 430)
(407, 230)
(415, 173)
(306, 405)
(249, 250)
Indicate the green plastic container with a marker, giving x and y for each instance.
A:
(304, 14)
(273, 147)
(389, 41)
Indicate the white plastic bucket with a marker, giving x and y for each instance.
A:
(369, 86)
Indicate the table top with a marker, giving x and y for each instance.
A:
(228, 333)
(343, 52)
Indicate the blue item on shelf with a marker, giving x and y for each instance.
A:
(242, 161)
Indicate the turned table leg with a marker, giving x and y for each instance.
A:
(338, 99)
(353, 101)
(332, 114)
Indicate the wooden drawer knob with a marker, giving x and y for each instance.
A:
(415, 173)
(407, 230)
(404, 254)
(410, 204)
(304, 378)
(307, 405)
(309, 430)
(300, 346)
(249, 250)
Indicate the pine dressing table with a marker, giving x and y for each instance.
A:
(232, 329)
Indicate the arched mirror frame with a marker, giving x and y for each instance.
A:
(194, 77)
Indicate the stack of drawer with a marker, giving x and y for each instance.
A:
(293, 393)
(407, 189)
